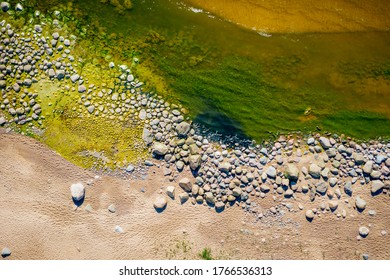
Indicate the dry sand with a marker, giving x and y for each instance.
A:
(283, 16)
(39, 220)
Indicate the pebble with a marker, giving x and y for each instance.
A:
(360, 203)
(112, 208)
(6, 252)
(309, 214)
(363, 231)
(171, 191)
(118, 229)
(185, 184)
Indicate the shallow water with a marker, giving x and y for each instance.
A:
(339, 82)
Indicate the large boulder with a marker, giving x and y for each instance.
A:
(182, 129)
(78, 191)
(159, 149)
(292, 172)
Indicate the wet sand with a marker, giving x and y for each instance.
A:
(283, 16)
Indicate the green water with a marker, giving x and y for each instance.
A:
(236, 81)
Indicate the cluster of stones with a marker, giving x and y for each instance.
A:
(25, 59)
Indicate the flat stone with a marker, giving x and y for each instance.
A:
(375, 174)
(77, 191)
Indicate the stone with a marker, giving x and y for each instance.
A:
(325, 173)
(77, 191)
(333, 204)
(118, 229)
(6, 252)
(2, 121)
(91, 109)
(360, 203)
(183, 197)
(325, 143)
(19, 7)
(74, 78)
(367, 168)
(195, 161)
(224, 167)
(264, 188)
(376, 186)
(363, 231)
(171, 191)
(5, 6)
(219, 206)
(315, 171)
(237, 192)
(375, 174)
(379, 159)
(332, 181)
(142, 114)
(182, 129)
(159, 149)
(309, 214)
(147, 136)
(209, 197)
(348, 188)
(160, 203)
(310, 141)
(112, 208)
(185, 184)
(359, 158)
(365, 256)
(321, 188)
(292, 172)
(82, 89)
(271, 172)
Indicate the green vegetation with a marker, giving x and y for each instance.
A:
(206, 254)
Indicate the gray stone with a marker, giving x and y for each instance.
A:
(325, 173)
(363, 231)
(112, 208)
(118, 229)
(77, 191)
(74, 78)
(360, 203)
(185, 184)
(376, 186)
(130, 168)
(359, 158)
(271, 172)
(333, 204)
(160, 203)
(5, 252)
(367, 168)
(332, 181)
(183, 197)
(142, 114)
(19, 7)
(159, 149)
(292, 172)
(325, 143)
(348, 188)
(182, 129)
(321, 188)
(147, 137)
(38, 28)
(375, 174)
(310, 141)
(171, 191)
(82, 89)
(379, 159)
(315, 171)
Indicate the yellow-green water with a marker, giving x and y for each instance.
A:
(238, 81)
